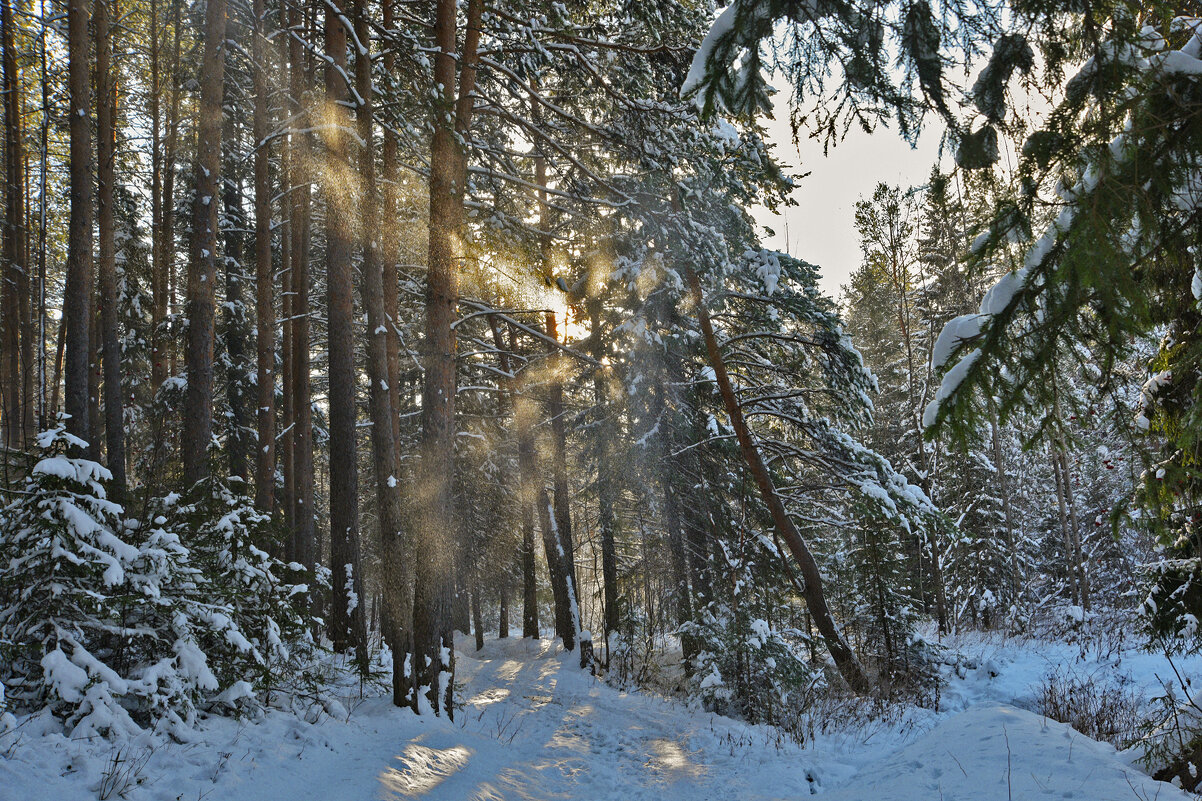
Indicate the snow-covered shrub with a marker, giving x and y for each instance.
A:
(1096, 705)
(1174, 603)
(747, 668)
(245, 606)
(1171, 744)
(114, 624)
(65, 594)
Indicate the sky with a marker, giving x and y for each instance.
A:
(821, 227)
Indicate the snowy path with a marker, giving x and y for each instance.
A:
(538, 729)
(535, 728)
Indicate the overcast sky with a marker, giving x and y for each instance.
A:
(821, 227)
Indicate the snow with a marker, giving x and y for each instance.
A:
(726, 135)
(534, 726)
(997, 752)
(1002, 293)
(1180, 63)
(67, 679)
(956, 331)
(721, 28)
(947, 388)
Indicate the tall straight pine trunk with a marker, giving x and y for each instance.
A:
(234, 332)
(304, 532)
(106, 147)
(264, 300)
(521, 409)
(77, 293)
(434, 649)
(17, 396)
(202, 267)
(397, 611)
(164, 304)
(391, 240)
(606, 494)
(347, 622)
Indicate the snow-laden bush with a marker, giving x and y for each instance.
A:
(746, 668)
(1174, 601)
(114, 625)
(249, 602)
(1171, 745)
(1095, 704)
(65, 594)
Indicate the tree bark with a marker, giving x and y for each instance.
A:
(77, 293)
(264, 301)
(436, 564)
(606, 495)
(286, 501)
(477, 614)
(347, 628)
(235, 308)
(503, 611)
(1003, 480)
(527, 497)
(202, 268)
(391, 243)
(566, 616)
(44, 413)
(95, 422)
(106, 145)
(559, 459)
(165, 350)
(520, 411)
(845, 659)
(158, 278)
(397, 611)
(16, 345)
(303, 512)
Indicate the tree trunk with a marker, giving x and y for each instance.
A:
(77, 293)
(391, 244)
(286, 499)
(264, 302)
(17, 338)
(347, 628)
(394, 582)
(106, 145)
(202, 268)
(503, 612)
(158, 278)
(436, 564)
(235, 308)
(559, 460)
(95, 423)
(527, 498)
(44, 414)
(477, 614)
(606, 495)
(525, 491)
(665, 469)
(1003, 480)
(1074, 528)
(845, 659)
(165, 349)
(566, 611)
(302, 407)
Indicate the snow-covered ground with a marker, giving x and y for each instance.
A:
(535, 727)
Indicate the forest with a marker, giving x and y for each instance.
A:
(399, 399)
